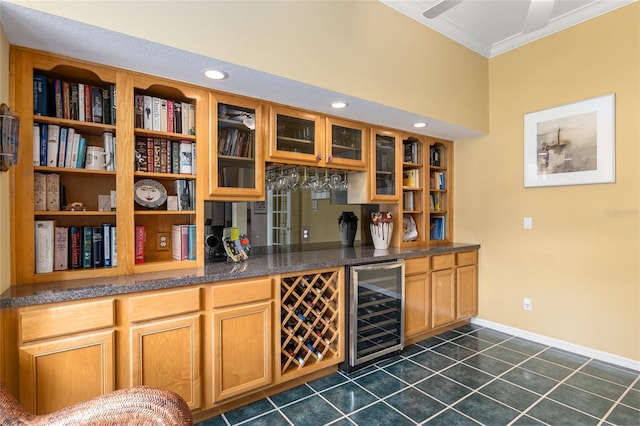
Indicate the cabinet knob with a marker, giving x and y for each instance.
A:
(319, 156)
(330, 159)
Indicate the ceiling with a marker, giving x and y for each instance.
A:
(485, 26)
(492, 27)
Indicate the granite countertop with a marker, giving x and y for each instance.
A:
(261, 263)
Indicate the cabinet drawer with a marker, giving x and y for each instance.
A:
(416, 265)
(467, 258)
(239, 292)
(442, 261)
(53, 321)
(166, 304)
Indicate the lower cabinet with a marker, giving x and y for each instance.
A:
(65, 353)
(440, 290)
(242, 337)
(164, 342)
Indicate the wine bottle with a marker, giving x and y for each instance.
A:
(313, 350)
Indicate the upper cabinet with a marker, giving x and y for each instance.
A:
(236, 162)
(310, 139)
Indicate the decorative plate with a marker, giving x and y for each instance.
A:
(149, 193)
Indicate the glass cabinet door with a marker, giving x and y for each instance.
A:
(385, 166)
(345, 144)
(296, 137)
(236, 157)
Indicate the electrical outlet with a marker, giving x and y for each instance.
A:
(527, 304)
(306, 236)
(162, 241)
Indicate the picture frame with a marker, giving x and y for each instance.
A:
(571, 144)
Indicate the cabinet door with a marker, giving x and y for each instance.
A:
(467, 283)
(236, 165)
(296, 137)
(166, 354)
(57, 373)
(417, 305)
(346, 145)
(384, 182)
(242, 349)
(443, 297)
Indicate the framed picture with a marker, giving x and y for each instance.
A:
(571, 144)
(260, 207)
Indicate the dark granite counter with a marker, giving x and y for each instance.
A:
(261, 262)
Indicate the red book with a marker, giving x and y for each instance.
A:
(88, 108)
(141, 237)
(170, 116)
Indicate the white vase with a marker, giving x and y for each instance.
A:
(381, 235)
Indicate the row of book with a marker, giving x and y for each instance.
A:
(165, 156)
(164, 115)
(46, 191)
(411, 178)
(183, 242)
(436, 202)
(74, 101)
(410, 154)
(59, 248)
(59, 146)
(408, 201)
(435, 156)
(438, 228)
(437, 181)
(235, 143)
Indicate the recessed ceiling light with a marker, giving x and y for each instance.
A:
(215, 74)
(338, 105)
(418, 125)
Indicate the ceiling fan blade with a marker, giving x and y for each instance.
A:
(538, 15)
(439, 8)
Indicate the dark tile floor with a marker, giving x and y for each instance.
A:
(469, 376)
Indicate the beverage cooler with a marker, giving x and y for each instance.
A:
(375, 313)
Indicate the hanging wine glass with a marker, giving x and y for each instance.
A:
(335, 181)
(294, 185)
(344, 185)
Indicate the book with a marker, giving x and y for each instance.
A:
(106, 245)
(44, 141)
(73, 102)
(140, 241)
(82, 148)
(141, 154)
(61, 251)
(44, 246)
(155, 113)
(177, 117)
(180, 242)
(71, 134)
(75, 247)
(138, 101)
(170, 117)
(96, 104)
(36, 144)
(147, 118)
(57, 98)
(53, 140)
(114, 247)
(74, 151)
(192, 119)
(62, 146)
(437, 228)
(39, 191)
(87, 246)
(106, 105)
(88, 104)
(53, 191)
(185, 118)
(175, 157)
(192, 239)
(163, 115)
(40, 95)
(66, 100)
(81, 102)
(97, 248)
(185, 157)
(112, 95)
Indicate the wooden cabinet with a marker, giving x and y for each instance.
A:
(467, 284)
(164, 342)
(440, 194)
(310, 322)
(381, 183)
(346, 144)
(412, 204)
(242, 340)
(236, 157)
(295, 136)
(66, 354)
(417, 307)
(443, 289)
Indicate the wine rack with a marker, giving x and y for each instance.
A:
(310, 320)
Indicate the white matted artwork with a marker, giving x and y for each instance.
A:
(571, 144)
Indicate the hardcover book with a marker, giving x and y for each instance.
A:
(39, 191)
(61, 252)
(40, 95)
(75, 247)
(53, 139)
(106, 245)
(97, 248)
(87, 247)
(44, 250)
(53, 192)
(96, 104)
(140, 240)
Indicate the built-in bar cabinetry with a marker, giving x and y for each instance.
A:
(441, 291)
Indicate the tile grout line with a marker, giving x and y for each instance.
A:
(618, 401)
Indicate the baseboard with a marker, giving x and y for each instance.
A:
(560, 344)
